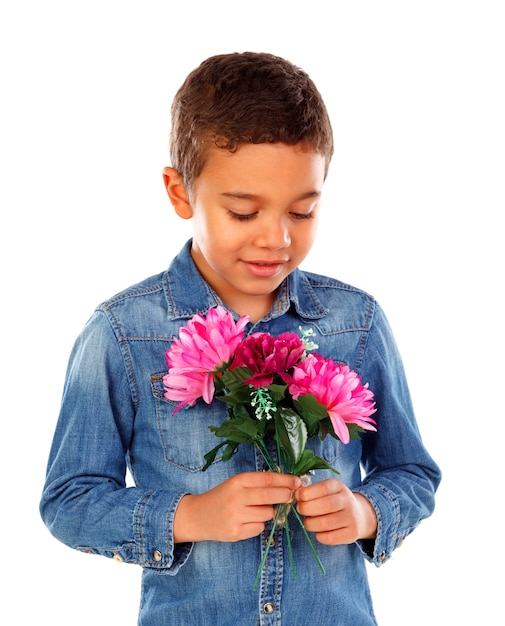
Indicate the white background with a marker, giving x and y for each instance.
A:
(413, 212)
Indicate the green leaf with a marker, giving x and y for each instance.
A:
(327, 429)
(229, 450)
(355, 430)
(234, 379)
(235, 390)
(311, 411)
(241, 411)
(211, 455)
(240, 430)
(277, 392)
(292, 434)
(309, 461)
(239, 396)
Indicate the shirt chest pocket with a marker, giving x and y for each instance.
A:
(185, 437)
(345, 458)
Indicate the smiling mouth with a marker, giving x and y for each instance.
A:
(266, 262)
(264, 269)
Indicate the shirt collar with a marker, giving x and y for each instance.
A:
(188, 293)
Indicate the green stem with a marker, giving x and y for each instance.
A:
(269, 543)
(309, 540)
(263, 450)
(290, 548)
(260, 445)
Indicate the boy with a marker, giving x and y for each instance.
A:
(251, 145)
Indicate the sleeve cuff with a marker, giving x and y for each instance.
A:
(387, 508)
(153, 532)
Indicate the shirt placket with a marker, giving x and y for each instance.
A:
(271, 577)
(270, 582)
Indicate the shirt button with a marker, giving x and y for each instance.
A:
(157, 556)
(268, 607)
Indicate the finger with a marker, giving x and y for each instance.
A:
(271, 479)
(254, 489)
(339, 536)
(269, 495)
(322, 524)
(319, 490)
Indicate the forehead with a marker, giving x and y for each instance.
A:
(263, 164)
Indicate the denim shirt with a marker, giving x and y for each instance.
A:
(115, 418)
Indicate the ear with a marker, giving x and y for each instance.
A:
(177, 192)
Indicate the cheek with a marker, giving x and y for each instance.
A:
(306, 238)
(216, 240)
(208, 231)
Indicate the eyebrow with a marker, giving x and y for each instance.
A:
(239, 195)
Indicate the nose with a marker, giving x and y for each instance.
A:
(273, 234)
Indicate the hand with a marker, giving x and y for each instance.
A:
(236, 509)
(335, 513)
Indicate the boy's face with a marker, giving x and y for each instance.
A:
(255, 214)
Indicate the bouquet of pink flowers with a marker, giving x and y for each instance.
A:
(274, 387)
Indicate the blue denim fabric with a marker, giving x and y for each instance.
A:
(114, 416)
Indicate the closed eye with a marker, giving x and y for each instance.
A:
(302, 216)
(241, 217)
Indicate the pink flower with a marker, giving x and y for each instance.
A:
(204, 345)
(266, 356)
(336, 387)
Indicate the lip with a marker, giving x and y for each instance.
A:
(264, 269)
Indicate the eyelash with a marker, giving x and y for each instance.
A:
(303, 216)
(250, 216)
(240, 217)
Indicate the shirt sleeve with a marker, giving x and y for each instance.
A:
(85, 502)
(401, 477)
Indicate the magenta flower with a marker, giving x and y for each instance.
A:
(336, 387)
(204, 345)
(201, 358)
(266, 356)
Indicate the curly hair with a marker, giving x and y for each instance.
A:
(249, 97)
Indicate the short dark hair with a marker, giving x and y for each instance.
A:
(249, 97)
